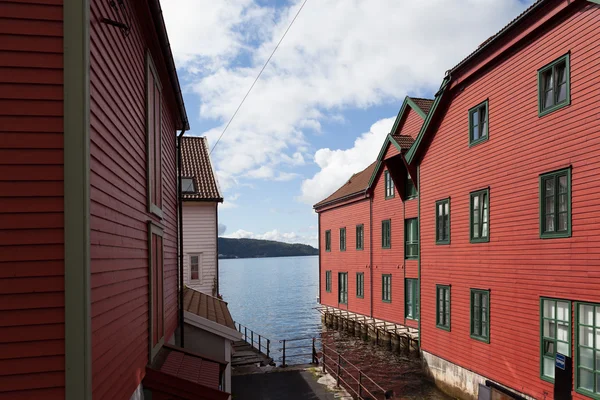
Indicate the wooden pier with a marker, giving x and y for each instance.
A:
(245, 355)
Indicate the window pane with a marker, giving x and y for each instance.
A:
(549, 349)
(562, 202)
(586, 336)
(586, 314)
(549, 223)
(562, 222)
(586, 379)
(563, 348)
(549, 100)
(598, 316)
(561, 93)
(598, 362)
(561, 81)
(598, 339)
(483, 121)
(562, 331)
(549, 367)
(550, 205)
(549, 329)
(549, 309)
(475, 124)
(586, 358)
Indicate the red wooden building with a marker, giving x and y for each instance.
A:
(508, 203)
(368, 265)
(90, 107)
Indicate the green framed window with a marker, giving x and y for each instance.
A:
(342, 239)
(360, 285)
(386, 234)
(327, 240)
(555, 334)
(442, 221)
(411, 298)
(360, 236)
(587, 357)
(343, 287)
(410, 189)
(478, 123)
(480, 216)
(555, 204)
(554, 85)
(411, 238)
(328, 281)
(480, 315)
(442, 308)
(386, 288)
(389, 185)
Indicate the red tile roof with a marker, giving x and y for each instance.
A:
(404, 141)
(423, 104)
(207, 307)
(357, 183)
(196, 164)
(193, 369)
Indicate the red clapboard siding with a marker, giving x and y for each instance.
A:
(412, 124)
(31, 201)
(119, 233)
(351, 260)
(516, 264)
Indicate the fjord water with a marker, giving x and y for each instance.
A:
(275, 297)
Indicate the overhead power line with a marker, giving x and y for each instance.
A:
(257, 77)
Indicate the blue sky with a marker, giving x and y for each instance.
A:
(323, 106)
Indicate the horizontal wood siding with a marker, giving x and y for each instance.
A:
(351, 260)
(516, 265)
(200, 237)
(32, 314)
(388, 261)
(412, 124)
(119, 237)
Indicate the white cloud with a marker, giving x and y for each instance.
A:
(338, 55)
(336, 166)
(286, 237)
(230, 201)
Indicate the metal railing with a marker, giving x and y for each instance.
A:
(297, 346)
(351, 377)
(257, 341)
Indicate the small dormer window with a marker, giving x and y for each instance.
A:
(188, 186)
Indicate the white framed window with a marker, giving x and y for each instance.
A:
(195, 267)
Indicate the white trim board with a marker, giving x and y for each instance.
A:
(210, 326)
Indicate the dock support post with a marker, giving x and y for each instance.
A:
(259, 345)
(246, 334)
(283, 362)
(251, 338)
(314, 352)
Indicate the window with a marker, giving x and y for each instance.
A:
(153, 139)
(555, 204)
(360, 236)
(343, 288)
(411, 236)
(480, 225)
(411, 298)
(555, 321)
(587, 374)
(409, 189)
(389, 185)
(386, 288)
(328, 281)
(195, 262)
(386, 234)
(156, 278)
(187, 185)
(442, 221)
(554, 85)
(478, 123)
(480, 315)
(442, 307)
(342, 239)
(328, 240)
(360, 285)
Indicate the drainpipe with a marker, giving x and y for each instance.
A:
(217, 247)
(180, 235)
(371, 249)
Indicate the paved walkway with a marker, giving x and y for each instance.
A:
(288, 385)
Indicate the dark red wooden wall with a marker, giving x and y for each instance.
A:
(119, 236)
(516, 264)
(31, 200)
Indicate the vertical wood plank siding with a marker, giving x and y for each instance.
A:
(119, 244)
(351, 260)
(516, 264)
(200, 237)
(31, 200)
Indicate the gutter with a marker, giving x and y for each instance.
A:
(180, 235)
(318, 206)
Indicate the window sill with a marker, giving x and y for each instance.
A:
(153, 209)
(386, 301)
(478, 141)
(386, 247)
(389, 197)
(444, 328)
(556, 235)
(481, 339)
(442, 242)
(550, 110)
(411, 318)
(412, 198)
(360, 297)
(411, 258)
(485, 240)
(359, 249)
(547, 379)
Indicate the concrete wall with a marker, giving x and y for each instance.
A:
(200, 238)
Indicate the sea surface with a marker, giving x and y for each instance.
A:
(277, 298)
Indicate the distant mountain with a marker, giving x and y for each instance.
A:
(254, 248)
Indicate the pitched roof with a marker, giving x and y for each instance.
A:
(357, 183)
(207, 307)
(423, 104)
(196, 164)
(404, 141)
